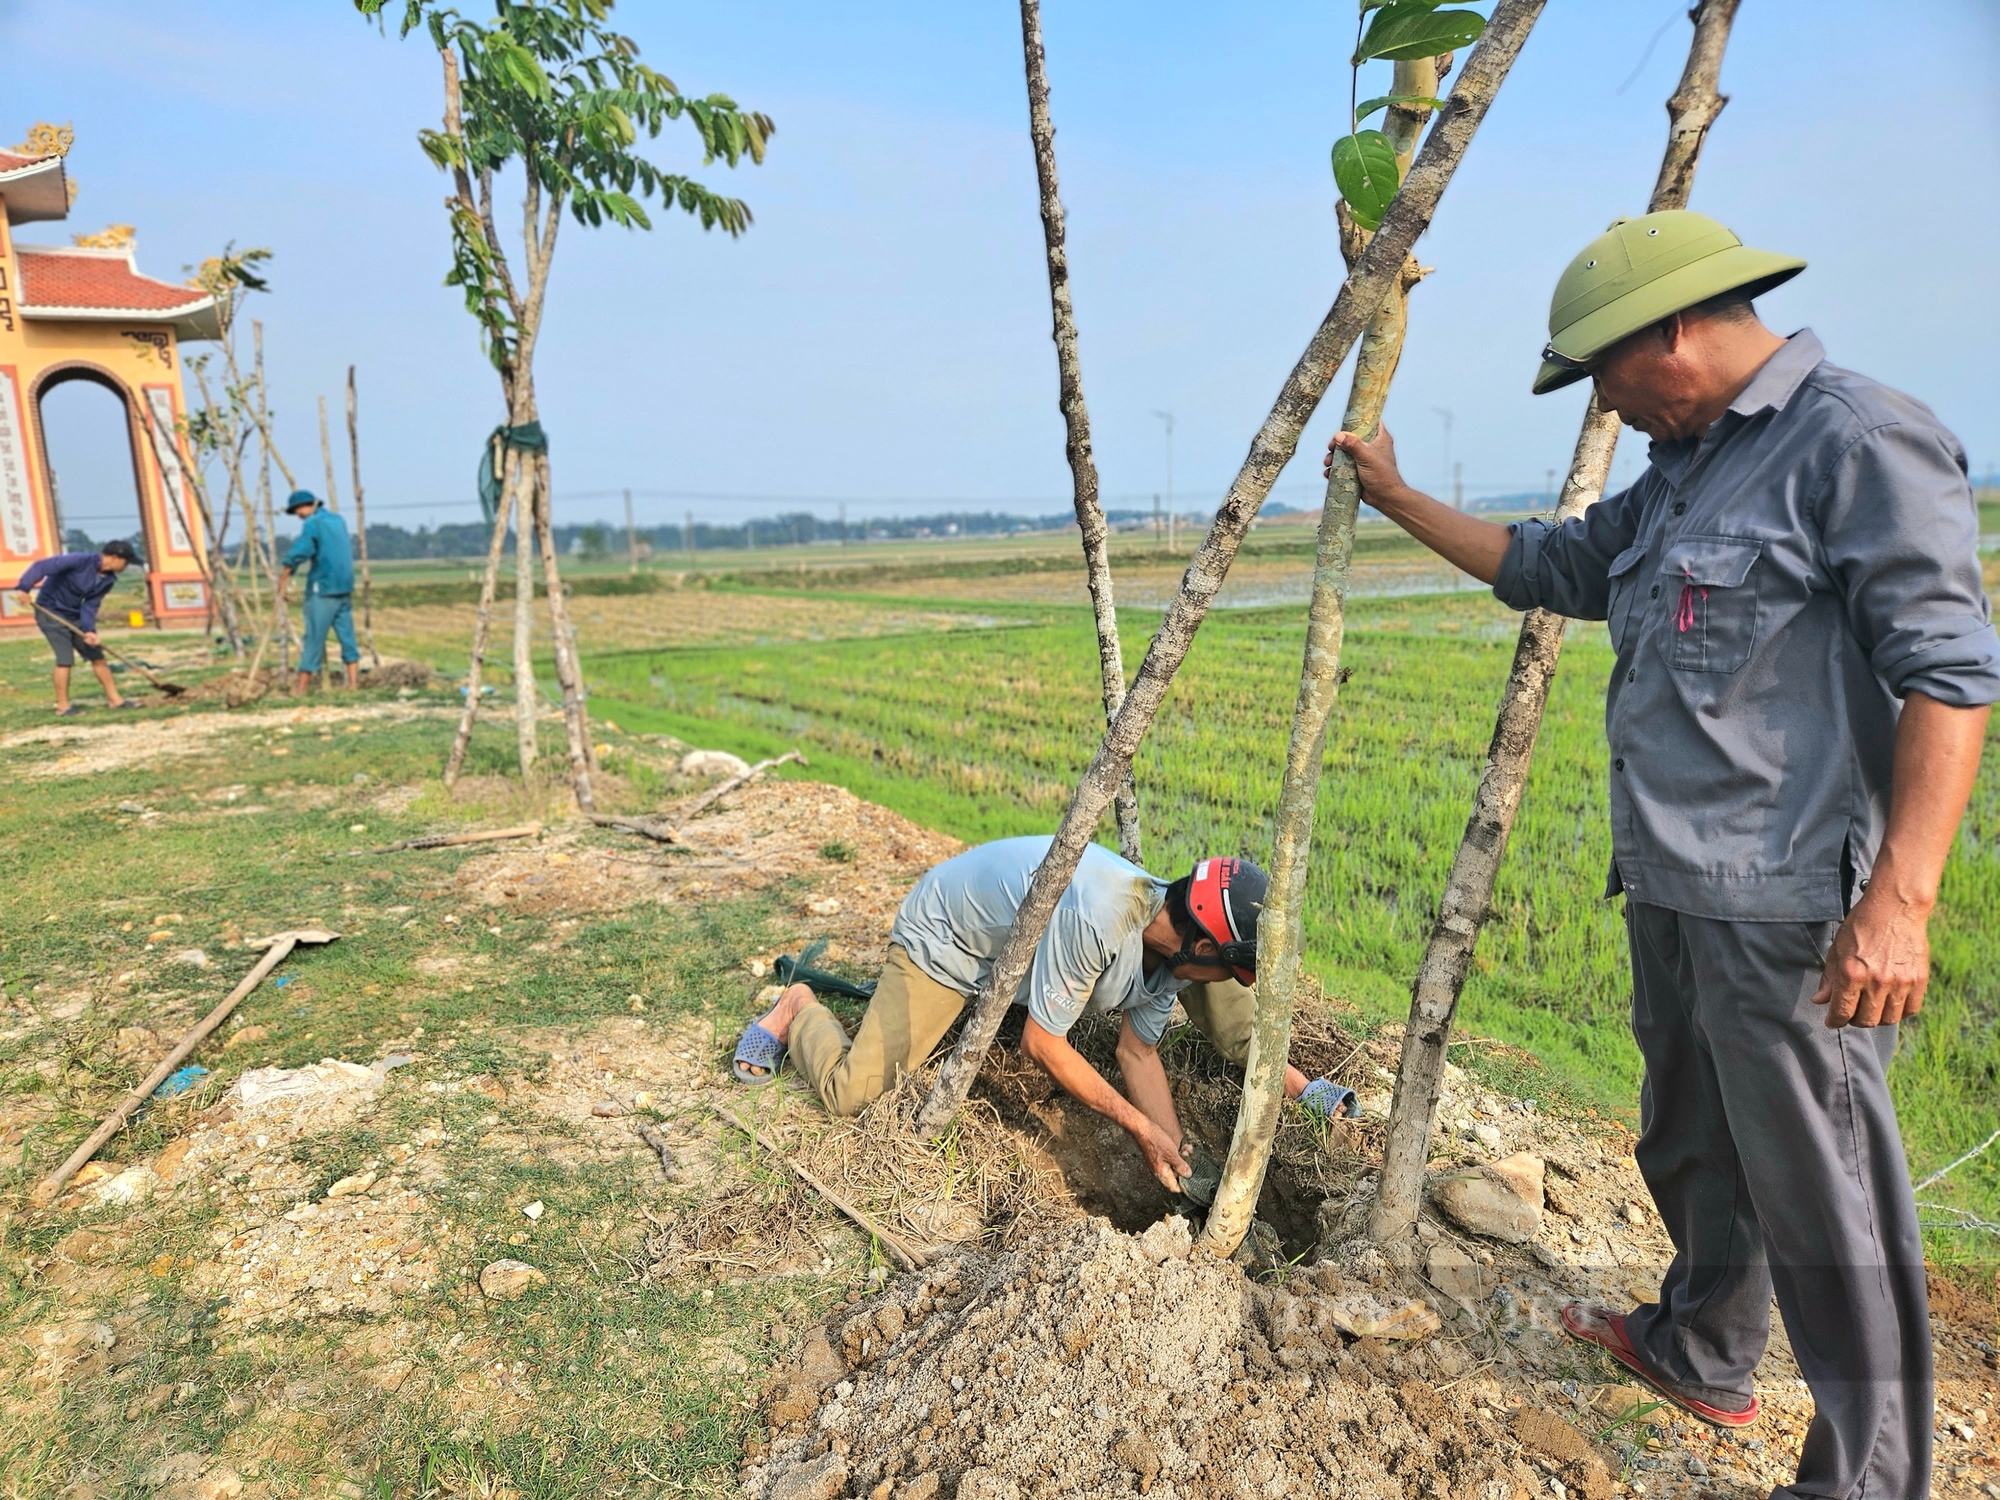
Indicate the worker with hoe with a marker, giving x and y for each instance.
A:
(1120, 940)
(324, 550)
(72, 583)
(1805, 662)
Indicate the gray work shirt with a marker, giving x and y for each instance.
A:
(1773, 590)
(956, 919)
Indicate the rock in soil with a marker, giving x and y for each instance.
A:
(505, 1280)
(1502, 1199)
(1090, 1364)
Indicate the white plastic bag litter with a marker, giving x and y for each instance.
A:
(262, 1086)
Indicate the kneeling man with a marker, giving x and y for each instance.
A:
(1120, 940)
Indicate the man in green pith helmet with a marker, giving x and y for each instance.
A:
(1805, 664)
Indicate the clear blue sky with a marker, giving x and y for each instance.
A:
(881, 334)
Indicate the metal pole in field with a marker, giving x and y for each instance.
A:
(843, 523)
(1168, 418)
(1458, 486)
(631, 536)
(687, 535)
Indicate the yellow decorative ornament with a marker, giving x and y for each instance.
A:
(111, 237)
(45, 139)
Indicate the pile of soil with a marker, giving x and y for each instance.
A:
(1092, 1363)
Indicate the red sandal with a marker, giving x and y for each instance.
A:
(1596, 1324)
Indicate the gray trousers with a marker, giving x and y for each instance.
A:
(1771, 1148)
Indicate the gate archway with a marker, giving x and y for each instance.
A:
(93, 457)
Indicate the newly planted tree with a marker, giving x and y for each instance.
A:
(1076, 416)
(1366, 164)
(549, 88)
(1379, 268)
(1468, 892)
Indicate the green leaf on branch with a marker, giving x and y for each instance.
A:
(1368, 107)
(1364, 165)
(1405, 30)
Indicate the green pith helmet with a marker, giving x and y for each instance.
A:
(1640, 271)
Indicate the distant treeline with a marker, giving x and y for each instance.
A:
(391, 543)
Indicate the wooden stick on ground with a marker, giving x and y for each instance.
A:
(714, 795)
(646, 828)
(281, 945)
(906, 1255)
(1468, 890)
(450, 840)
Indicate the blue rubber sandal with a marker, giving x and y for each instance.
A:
(758, 1049)
(1328, 1100)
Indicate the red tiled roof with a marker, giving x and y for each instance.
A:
(10, 162)
(96, 280)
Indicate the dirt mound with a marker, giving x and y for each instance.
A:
(1091, 1363)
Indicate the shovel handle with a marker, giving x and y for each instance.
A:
(115, 1121)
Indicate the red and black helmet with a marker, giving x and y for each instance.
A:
(1224, 899)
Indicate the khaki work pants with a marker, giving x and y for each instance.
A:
(911, 1012)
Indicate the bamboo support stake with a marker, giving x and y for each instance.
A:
(1076, 416)
(360, 521)
(569, 669)
(1279, 927)
(482, 629)
(326, 458)
(1468, 891)
(1380, 266)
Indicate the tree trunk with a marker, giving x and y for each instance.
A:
(1279, 928)
(569, 671)
(1379, 269)
(260, 413)
(521, 480)
(1076, 417)
(326, 458)
(360, 521)
(1468, 892)
(496, 546)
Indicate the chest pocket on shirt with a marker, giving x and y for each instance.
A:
(1624, 593)
(1711, 584)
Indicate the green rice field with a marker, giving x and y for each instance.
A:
(982, 733)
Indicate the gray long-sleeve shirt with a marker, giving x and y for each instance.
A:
(1773, 590)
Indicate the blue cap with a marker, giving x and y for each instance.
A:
(300, 499)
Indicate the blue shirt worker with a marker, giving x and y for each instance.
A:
(72, 584)
(324, 550)
(1805, 661)
(1121, 940)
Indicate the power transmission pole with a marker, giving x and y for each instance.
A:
(843, 523)
(687, 535)
(1167, 417)
(1445, 413)
(631, 536)
(1458, 486)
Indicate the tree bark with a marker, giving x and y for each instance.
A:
(482, 628)
(326, 458)
(1280, 926)
(523, 483)
(360, 521)
(569, 671)
(1379, 268)
(1076, 416)
(1468, 892)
